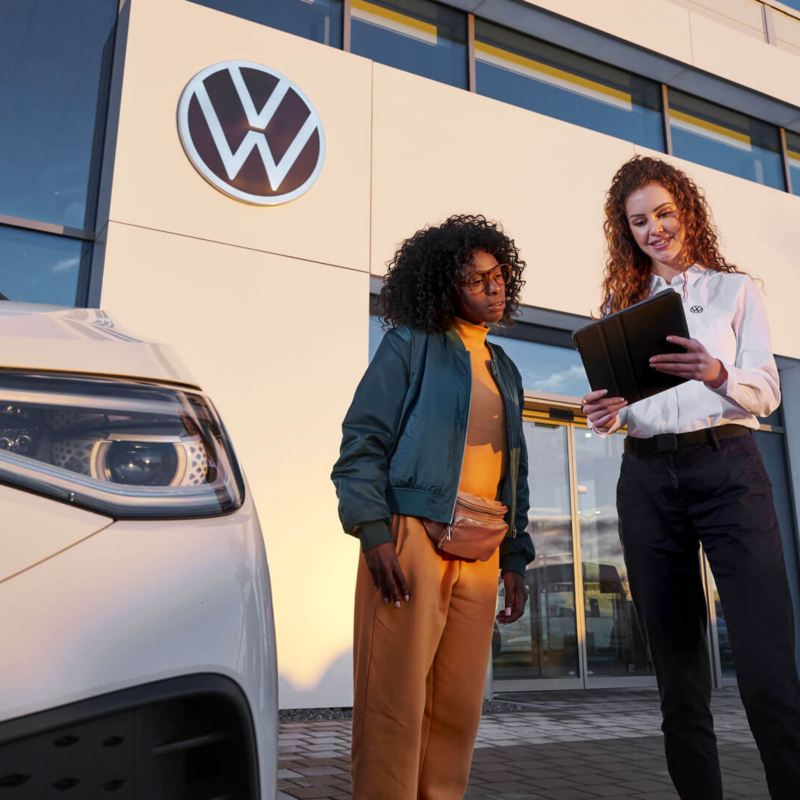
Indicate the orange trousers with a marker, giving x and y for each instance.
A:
(420, 671)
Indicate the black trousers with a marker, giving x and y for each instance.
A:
(720, 496)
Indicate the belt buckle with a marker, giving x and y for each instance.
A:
(666, 443)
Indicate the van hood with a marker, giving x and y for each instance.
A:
(82, 340)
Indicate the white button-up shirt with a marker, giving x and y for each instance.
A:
(724, 312)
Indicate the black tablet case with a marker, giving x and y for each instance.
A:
(616, 350)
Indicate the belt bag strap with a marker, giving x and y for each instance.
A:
(477, 529)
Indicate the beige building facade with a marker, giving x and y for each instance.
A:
(270, 304)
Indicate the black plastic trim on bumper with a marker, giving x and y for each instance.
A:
(133, 698)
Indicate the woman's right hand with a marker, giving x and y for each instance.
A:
(386, 573)
(601, 411)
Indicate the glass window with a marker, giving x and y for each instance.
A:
(773, 452)
(55, 62)
(792, 4)
(614, 642)
(41, 268)
(414, 35)
(541, 77)
(725, 140)
(318, 20)
(545, 368)
(543, 643)
(793, 152)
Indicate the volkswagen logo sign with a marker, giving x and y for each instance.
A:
(696, 309)
(251, 132)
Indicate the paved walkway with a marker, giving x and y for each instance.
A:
(562, 746)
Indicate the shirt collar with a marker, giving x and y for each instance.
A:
(689, 275)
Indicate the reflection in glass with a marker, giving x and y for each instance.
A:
(376, 331)
(40, 268)
(773, 451)
(544, 642)
(726, 664)
(318, 20)
(726, 140)
(55, 62)
(542, 77)
(546, 368)
(414, 35)
(793, 148)
(614, 644)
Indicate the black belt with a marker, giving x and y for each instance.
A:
(670, 442)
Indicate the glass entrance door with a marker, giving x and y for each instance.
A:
(543, 644)
(615, 649)
(572, 478)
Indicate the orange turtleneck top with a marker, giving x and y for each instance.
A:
(486, 449)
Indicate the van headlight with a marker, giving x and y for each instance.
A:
(129, 449)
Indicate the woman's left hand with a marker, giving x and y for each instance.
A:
(696, 363)
(516, 596)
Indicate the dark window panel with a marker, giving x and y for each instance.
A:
(550, 80)
(413, 35)
(43, 268)
(55, 60)
(725, 140)
(793, 147)
(318, 20)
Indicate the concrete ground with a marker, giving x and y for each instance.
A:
(558, 746)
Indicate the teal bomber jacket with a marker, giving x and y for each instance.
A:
(404, 437)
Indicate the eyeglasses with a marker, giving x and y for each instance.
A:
(480, 281)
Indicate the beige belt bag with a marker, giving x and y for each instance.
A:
(476, 532)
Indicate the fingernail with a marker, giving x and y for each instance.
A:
(407, 597)
(385, 599)
(397, 604)
(507, 611)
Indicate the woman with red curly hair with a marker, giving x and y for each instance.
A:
(692, 474)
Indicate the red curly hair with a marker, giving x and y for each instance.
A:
(626, 279)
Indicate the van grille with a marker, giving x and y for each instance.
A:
(196, 746)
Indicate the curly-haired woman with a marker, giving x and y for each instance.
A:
(435, 422)
(692, 474)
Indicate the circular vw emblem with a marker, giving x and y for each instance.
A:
(696, 309)
(251, 133)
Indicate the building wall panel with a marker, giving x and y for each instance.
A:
(279, 344)
(156, 186)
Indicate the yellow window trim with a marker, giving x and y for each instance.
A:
(710, 127)
(514, 61)
(397, 20)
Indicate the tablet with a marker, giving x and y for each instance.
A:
(616, 350)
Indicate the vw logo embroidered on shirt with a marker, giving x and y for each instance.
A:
(251, 132)
(696, 309)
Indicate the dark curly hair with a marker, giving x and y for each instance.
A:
(421, 285)
(627, 275)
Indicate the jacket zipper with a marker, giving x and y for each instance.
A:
(463, 449)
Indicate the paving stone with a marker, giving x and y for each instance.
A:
(603, 745)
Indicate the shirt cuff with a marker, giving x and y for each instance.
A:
(373, 533)
(728, 386)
